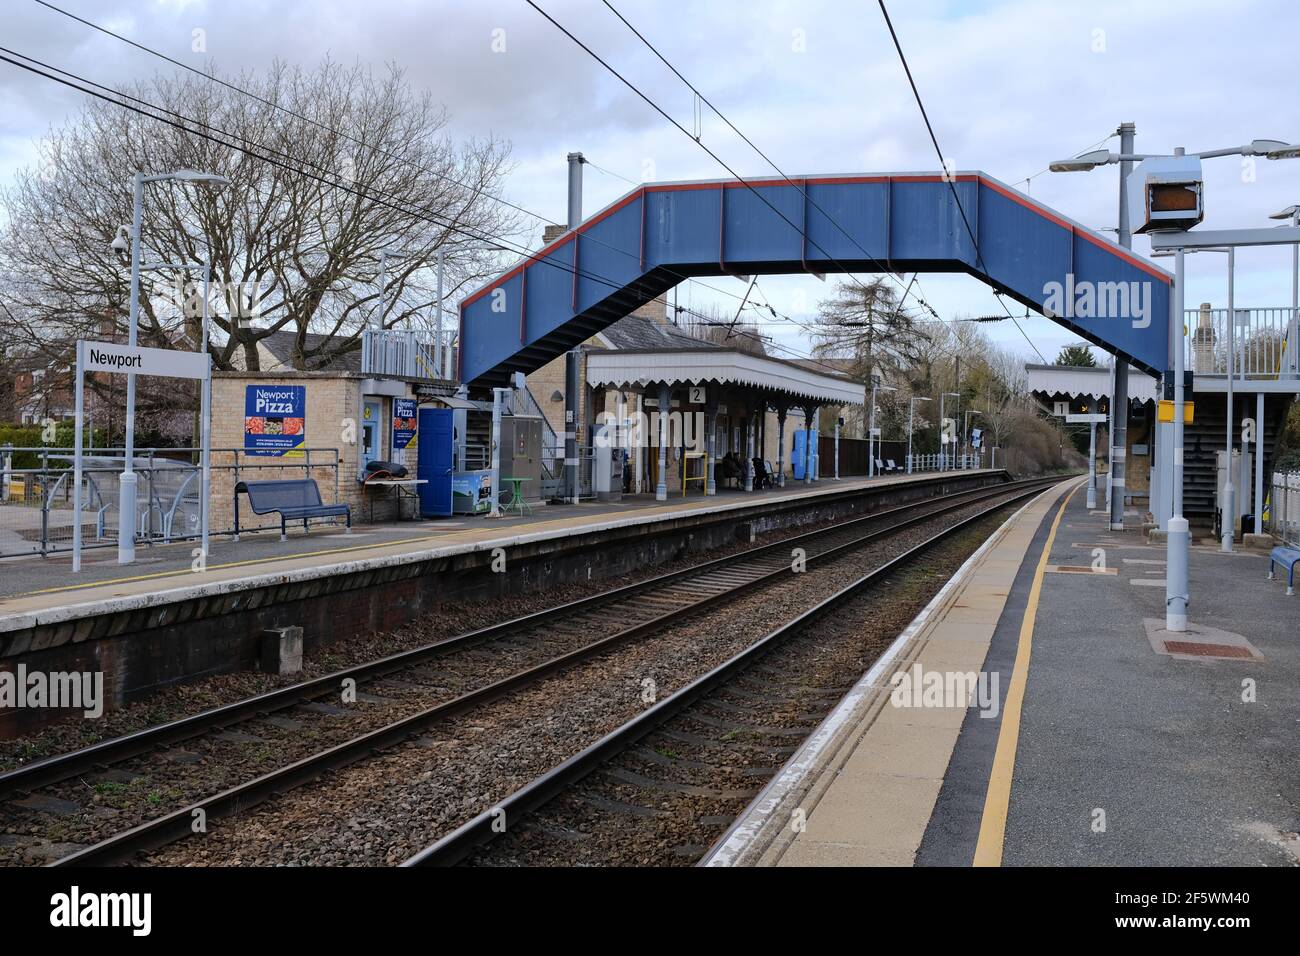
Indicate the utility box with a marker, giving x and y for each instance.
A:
(1241, 485)
(1165, 194)
(521, 452)
(607, 465)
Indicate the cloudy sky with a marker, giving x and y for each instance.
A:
(815, 84)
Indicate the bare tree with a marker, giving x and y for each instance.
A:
(722, 327)
(289, 253)
(866, 324)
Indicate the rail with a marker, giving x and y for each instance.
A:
(936, 462)
(480, 830)
(740, 573)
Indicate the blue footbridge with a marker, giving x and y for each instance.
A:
(659, 234)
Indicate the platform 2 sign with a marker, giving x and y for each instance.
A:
(404, 411)
(275, 420)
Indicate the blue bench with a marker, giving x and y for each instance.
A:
(293, 499)
(1287, 558)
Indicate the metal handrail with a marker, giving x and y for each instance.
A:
(1267, 342)
(1284, 508)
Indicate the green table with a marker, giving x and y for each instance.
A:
(517, 503)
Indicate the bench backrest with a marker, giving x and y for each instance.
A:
(287, 493)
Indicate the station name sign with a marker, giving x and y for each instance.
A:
(121, 359)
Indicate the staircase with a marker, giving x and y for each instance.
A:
(1206, 436)
(478, 442)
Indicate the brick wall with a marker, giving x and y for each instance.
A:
(333, 399)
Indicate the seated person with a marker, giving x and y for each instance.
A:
(729, 467)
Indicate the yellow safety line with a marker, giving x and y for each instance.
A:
(993, 824)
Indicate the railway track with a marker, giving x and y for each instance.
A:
(472, 669)
(661, 788)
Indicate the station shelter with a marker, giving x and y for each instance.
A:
(732, 416)
(1081, 390)
(713, 390)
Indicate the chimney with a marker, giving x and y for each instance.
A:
(656, 310)
(575, 189)
(1203, 341)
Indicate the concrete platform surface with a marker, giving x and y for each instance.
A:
(1109, 741)
(46, 587)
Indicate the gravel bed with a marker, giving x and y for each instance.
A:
(384, 809)
(665, 801)
(173, 703)
(84, 810)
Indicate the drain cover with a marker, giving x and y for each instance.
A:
(1198, 649)
(1199, 642)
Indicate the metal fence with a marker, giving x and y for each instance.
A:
(1284, 508)
(1265, 342)
(936, 462)
(37, 504)
(398, 352)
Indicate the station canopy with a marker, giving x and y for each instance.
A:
(1058, 382)
(637, 369)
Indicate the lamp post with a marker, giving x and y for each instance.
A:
(943, 439)
(1292, 213)
(871, 427)
(437, 347)
(205, 399)
(384, 256)
(911, 408)
(127, 493)
(1268, 148)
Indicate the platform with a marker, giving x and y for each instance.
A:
(151, 625)
(29, 584)
(1104, 744)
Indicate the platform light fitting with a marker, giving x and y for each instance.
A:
(1084, 162)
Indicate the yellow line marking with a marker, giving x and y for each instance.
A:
(993, 824)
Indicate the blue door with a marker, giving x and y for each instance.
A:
(436, 462)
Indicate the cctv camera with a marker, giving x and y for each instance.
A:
(120, 245)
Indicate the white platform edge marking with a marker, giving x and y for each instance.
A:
(21, 620)
(751, 821)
